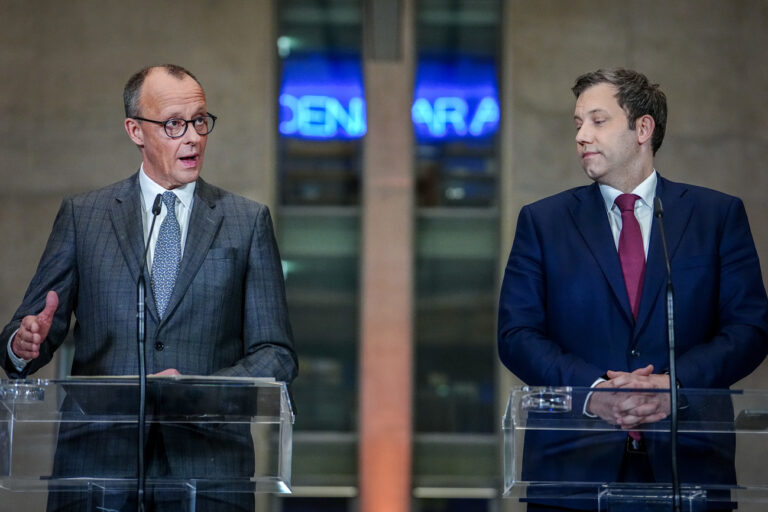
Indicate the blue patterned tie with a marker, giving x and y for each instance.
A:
(165, 264)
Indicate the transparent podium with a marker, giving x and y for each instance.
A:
(555, 455)
(72, 443)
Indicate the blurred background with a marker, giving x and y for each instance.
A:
(395, 142)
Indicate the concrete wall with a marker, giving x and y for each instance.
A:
(706, 54)
(63, 66)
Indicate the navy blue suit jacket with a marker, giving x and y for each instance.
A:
(565, 319)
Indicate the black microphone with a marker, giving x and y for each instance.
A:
(141, 284)
(141, 317)
(658, 212)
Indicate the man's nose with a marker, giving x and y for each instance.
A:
(583, 135)
(191, 134)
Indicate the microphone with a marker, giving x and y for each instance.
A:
(658, 212)
(141, 284)
(141, 317)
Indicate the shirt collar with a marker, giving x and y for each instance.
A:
(646, 190)
(150, 189)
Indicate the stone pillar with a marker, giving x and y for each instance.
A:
(387, 261)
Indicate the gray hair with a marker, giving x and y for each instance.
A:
(132, 90)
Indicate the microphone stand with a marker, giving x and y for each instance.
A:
(658, 212)
(141, 318)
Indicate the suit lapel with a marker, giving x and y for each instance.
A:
(677, 214)
(126, 216)
(204, 222)
(591, 220)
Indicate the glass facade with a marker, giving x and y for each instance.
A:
(456, 250)
(321, 126)
(321, 123)
(321, 102)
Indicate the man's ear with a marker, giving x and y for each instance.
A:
(133, 127)
(644, 126)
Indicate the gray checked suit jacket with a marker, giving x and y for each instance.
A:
(227, 315)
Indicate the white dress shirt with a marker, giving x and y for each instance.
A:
(149, 190)
(643, 208)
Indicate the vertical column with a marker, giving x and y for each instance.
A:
(261, 181)
(508, 204)
(387, 261)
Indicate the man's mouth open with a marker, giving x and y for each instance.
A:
(189, 161)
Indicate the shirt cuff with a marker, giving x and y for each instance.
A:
(589, 395)
(17, 362)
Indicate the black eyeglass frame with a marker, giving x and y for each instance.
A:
(186, 122)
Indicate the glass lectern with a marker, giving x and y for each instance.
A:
(556, 455)
(74, 441)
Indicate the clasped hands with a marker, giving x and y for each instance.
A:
(34, 330)
(628, 410)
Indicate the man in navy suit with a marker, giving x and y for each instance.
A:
(577, 311)
(224, 312)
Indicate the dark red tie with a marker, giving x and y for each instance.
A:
(631, 251)
(632, 257)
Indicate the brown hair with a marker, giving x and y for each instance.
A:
(636, 96)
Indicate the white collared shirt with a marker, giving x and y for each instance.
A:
(149, 190)
(643, 208)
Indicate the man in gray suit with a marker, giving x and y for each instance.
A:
(223, 312)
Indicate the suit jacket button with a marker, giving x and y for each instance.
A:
(635, 353)
(159, 346)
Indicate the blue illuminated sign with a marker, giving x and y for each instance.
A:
(322, 98)
(454, 115)
(325, 117)
(455, 98)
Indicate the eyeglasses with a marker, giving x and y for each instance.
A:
(176, 127)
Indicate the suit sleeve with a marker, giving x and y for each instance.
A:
(523, 340)
(56, 271)
(741, 341)
(267, 336)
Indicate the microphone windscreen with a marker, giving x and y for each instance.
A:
(658, 209)
(157, 204)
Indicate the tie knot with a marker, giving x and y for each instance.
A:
(169, 198)
(626, 202)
